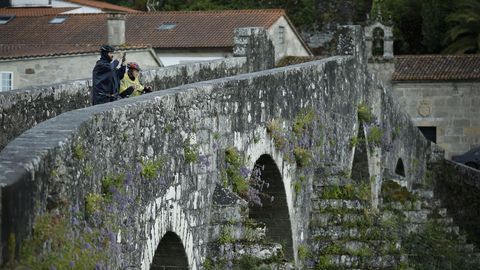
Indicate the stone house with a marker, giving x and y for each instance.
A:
(440, 92)
(69, 43)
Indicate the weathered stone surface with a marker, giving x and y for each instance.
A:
(88, 144)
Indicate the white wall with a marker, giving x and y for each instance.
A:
(48, 70)
(170, 58)
(291, 46)
(79, 8)
(23, 3)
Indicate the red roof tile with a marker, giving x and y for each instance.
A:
(102, 5)
(194, 29)
(436, 67)
(33, 11)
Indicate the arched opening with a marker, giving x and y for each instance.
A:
(170, 254)
(378, 42)
(400, 169)
(274, 213)
(360, 173)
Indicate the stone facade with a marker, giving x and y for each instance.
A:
(188, 128)
(452, 108)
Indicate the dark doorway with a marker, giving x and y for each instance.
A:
(170, 254)
(360, 173)
(400, 169)
(430, 133)
(274, 213)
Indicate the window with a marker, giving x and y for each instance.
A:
(57, 20)
(6, 81)
(167, 26)
(281, 34)
(4, 19)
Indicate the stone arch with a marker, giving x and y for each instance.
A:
(378, 47)
(274, 213)
(400, 168)
(170, 254)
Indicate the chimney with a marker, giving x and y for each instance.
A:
(116, 29)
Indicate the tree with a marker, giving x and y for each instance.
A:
(464, 34)
(434, 25)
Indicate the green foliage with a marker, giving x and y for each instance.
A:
(93, 203)
(297, 187)
(353, 142)
(54, 246)
(374, 136)
(393, 192)
(303, 252)
(111, 183)
(226, 236)
(150, 168)
(208, 264)
(276, 132)
(364, 113)
(434, 25)
(88, 170)
(190, 151)
(78, 152)
(464, 33)
(325, 263)
(431, 249)
(303, 121)
(216, 136)
(302, 156)
(233, 176)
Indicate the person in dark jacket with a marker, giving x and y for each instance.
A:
(106, 76)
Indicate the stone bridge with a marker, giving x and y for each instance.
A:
(174, 178)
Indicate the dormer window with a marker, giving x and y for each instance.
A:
(4, 19)
(167, 26)
(58, 20)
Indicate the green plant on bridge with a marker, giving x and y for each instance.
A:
(232, 172)
(304, 252)
(226, 236)
(56, 245)
(302, 156)
(303, 121)
(374, 136)
(276, 132)
(190, 151)
(93, 203)
(150, 168)
(364, 113)
(111, 183)
(78, 151)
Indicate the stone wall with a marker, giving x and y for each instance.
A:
(458, 187)
(453, 108)
(60, 162)
(22, 109)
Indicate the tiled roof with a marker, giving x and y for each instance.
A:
(199, 29)
(436, 67)
(102, 5)
(33, 11)
(196, 29)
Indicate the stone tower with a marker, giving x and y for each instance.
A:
(379, 46)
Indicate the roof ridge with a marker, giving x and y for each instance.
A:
(273, 10)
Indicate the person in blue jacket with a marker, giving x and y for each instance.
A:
(106, 76)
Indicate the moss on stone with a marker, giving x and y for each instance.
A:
(393, 192)
(364, 113)
(190, 152)
(78, 151)
(276, 132)
(302, 156)
(303, 121)
(151, 168)
(93, 203)
(374, 136)
(112, 183)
